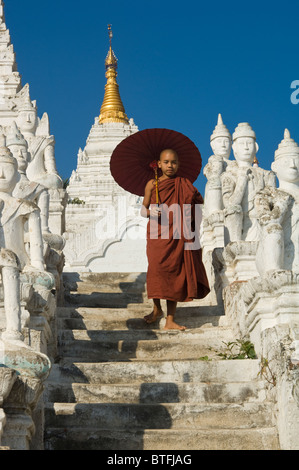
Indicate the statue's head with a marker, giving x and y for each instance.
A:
(221, 140)
(244, 144)
(27, 117)
(286, 160)
(8, 168)
(18, 146)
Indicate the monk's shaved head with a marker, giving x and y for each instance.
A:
(173, 152)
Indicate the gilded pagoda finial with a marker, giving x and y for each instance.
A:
(110, 33)
(112, 109)
(111, 60)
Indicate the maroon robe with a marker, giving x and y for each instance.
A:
(174, 273)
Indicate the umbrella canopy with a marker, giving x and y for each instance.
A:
(131, 160)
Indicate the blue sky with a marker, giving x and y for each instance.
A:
(180, 64)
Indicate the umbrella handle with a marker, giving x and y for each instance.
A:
(157, 192)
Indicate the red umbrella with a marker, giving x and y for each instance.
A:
(131, 160)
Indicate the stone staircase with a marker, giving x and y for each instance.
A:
(120, 384)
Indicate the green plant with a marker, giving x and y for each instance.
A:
(239, 349)
(76, 200)
(204, 358)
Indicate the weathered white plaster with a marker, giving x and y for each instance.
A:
(31, 260)
(104, 230)
(240, 183)
(278, 211)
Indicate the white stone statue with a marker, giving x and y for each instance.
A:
(278, 211)
(14, 239)
(41, 146)
(241, 181)
(221, 142)
(24, 188)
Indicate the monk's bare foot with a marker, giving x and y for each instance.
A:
(152, 317)
(171, 325)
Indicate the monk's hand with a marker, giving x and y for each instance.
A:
(155, 211)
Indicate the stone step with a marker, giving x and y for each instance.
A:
(104, 299)
(234, 392)
(94, 322)
(196, 334)
(158, 416)
(115, 290)
(130, 300)
(132, 318)
(158, 371)
(140, 344)
(135, 310)
(104, 282)
(97, 283)
(121, 384)
(166, 439)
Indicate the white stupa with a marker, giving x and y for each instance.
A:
(104, 229)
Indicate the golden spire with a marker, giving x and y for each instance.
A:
(112, 109)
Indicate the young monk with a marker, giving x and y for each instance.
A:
(175, 274)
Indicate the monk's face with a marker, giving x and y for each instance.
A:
(169, 163)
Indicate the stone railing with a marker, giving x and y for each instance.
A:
(31, 265)
(250, 247)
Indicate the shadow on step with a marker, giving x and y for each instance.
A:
(104, 290)
(112, 425)
(190, 316)
(108, 345)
